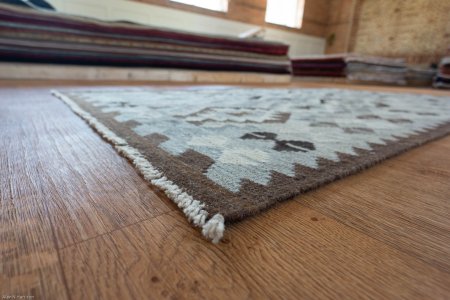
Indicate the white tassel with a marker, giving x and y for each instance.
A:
(214, 228)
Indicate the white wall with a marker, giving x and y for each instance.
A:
(300, 44)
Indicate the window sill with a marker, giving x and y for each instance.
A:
(283, 27)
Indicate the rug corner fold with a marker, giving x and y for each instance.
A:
(212, 229)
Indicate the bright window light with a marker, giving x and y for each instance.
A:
(285, 12)
(219, 5)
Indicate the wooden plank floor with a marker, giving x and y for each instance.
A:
(77, 222)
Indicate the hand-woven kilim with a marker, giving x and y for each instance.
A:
(222, 154)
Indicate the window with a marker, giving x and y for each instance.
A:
(285, 12)
(219, 5)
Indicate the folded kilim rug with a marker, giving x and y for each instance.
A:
(222, 154)
(39, 36)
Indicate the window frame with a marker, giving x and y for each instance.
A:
(299, 16)
(181, 2)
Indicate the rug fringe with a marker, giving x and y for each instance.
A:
(212, 229)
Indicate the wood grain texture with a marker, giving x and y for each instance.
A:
(87, 194)
(399, 202)
(77, 222)
(302, 254)
(29, 263)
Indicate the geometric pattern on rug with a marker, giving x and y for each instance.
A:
(257, 146)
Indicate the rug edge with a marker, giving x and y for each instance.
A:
(212, 229)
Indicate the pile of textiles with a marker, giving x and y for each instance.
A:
(417, 76)
(324, 65)
(376, 69)
(352, 66)
(442, 79)
(34, 35)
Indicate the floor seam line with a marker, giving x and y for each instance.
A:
(376, 239)
(114, 230)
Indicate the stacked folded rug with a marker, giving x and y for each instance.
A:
(376, 69)
(420, 76)
(32, 35)
(324, 65)
(442, 79)
(354, 67)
